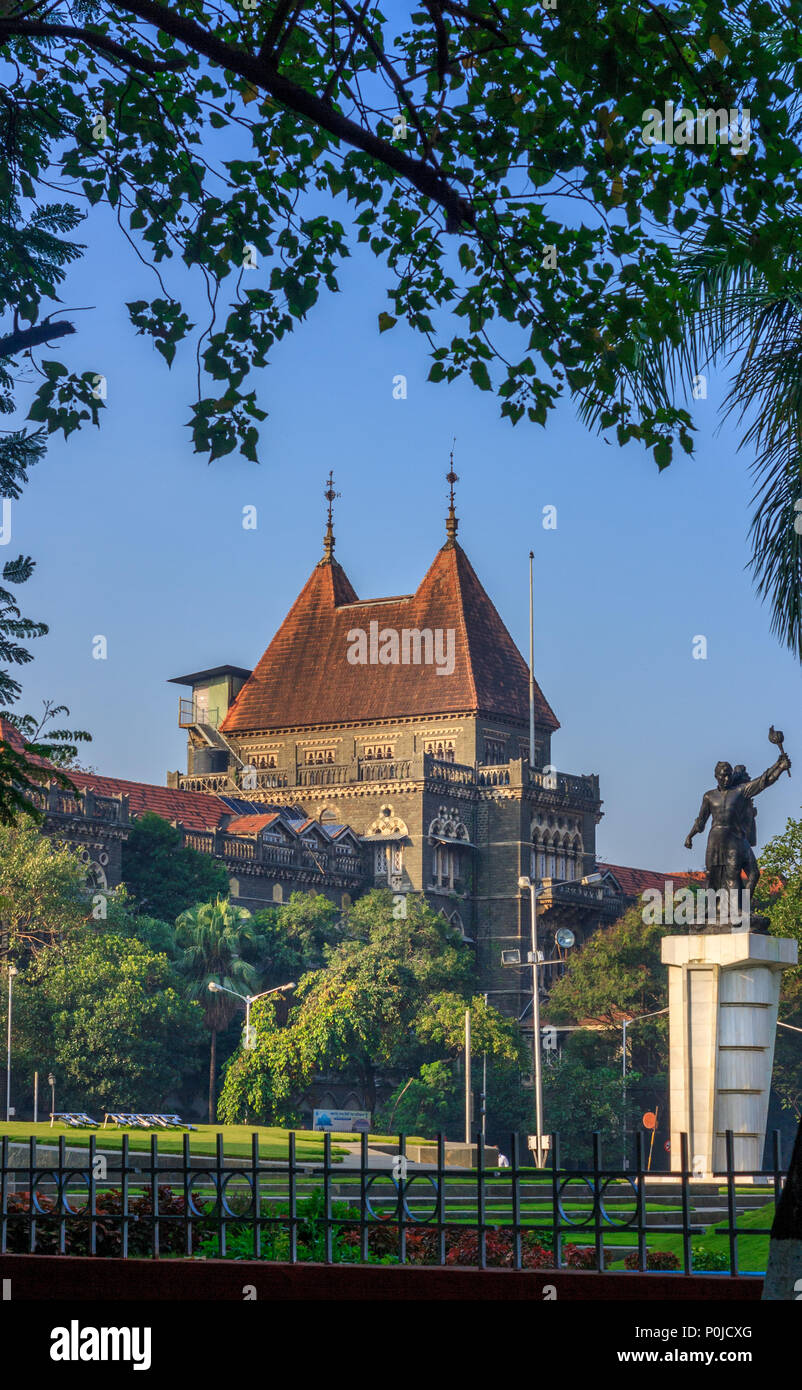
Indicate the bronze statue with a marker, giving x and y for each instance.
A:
(729, 845)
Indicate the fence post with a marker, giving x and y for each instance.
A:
(597, 1202)
(124, 1183)
(3, 1194)
(189, 1242)
(327, 1194)
(364, 1247)
(441, 1199)
(256, 1196)
(556, 1214)
(640, 1178)
(480, 1203)
(293, 1195)
(219, 1190)
(686, 1219)
(154, 1192)
(516, 1200)
(732, 1209)
(31, 1190)
(92, 1196)
(401, 1201)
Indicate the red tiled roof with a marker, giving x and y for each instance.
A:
(195, 810)
(9, 734)
(636, 881)
(305, 679)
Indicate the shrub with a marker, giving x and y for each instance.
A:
(579, 1256)
(655, 1259)
(108, 1224)
(710, 1260)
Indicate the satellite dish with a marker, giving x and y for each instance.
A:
(565, 938)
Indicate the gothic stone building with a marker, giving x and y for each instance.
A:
(407, 720)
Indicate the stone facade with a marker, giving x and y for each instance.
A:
(432, 774)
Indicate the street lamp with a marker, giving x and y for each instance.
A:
(534, 894)
(624, 1025)
(12, 972)
(51, 1081)
(247, 1000)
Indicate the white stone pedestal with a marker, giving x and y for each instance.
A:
(723, 992)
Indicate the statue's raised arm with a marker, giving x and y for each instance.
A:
(731, 867)
(767, 778)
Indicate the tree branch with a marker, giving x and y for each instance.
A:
(257, 71)
(23, 338)
(33, 29)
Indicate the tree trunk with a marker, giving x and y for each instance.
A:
(212, 1074)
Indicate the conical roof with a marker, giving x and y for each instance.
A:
(305, 677)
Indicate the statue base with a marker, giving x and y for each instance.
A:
(723, 993)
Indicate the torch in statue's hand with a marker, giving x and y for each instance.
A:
(776, 736)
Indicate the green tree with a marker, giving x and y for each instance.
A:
(357, 1014)
(234, 138)
(741, 310)
(42, 888)
(104, 1013)
(164, 876)
(215, 938)
(30, 753)
(34, 253)
(122, 918)
(579, 1100)
(434, 1098)
(296, 934)
(779, 895)
(617, 974)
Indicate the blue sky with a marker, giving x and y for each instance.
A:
(140, 540)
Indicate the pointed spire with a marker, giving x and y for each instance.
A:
(451, 520)
(328, 539)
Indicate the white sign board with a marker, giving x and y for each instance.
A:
(342, 1121)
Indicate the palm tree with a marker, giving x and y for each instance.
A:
(215, 938)
(741, 305)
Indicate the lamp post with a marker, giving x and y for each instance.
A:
(12, 972)
(51, 1081)
(247, 1000)
(624, 1025)
(534, 894)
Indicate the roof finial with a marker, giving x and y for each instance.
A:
(451, 520)
(328, 539)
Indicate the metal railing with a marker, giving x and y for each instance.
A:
(190, 712)
(153, 1203)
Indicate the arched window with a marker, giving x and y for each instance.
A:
(278, 893)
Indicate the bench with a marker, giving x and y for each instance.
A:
(144, 1120)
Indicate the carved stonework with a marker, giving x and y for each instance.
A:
(447, 825)
(388, 824)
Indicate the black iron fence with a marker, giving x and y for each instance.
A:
(129, 1202)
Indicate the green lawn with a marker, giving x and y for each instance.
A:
(752, 1250)
(273, 1143)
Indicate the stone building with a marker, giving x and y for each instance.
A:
(407, 720)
